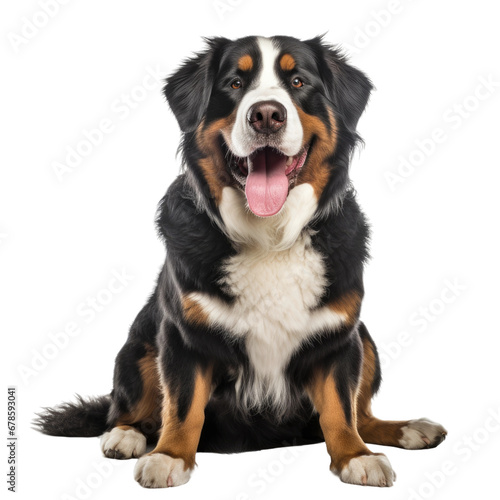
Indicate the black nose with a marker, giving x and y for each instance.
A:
(267, 117)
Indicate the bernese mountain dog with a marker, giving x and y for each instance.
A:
(252, 338)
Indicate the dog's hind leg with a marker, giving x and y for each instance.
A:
(135, 410)
(136, 399)
(409, 434)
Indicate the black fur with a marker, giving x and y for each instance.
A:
(188, 90)
(188, 221)
(85, 418)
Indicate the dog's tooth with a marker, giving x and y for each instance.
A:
(289, 161)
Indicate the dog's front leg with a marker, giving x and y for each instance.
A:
(186, 388)
(351, 460)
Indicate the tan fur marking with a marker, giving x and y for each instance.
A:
(180, 439)
(367, 376)
(150, 400)
(287, 62)
(193, 312)
(317, 170)
(213, 163)
(385, 432)
(245, 63)
(348, 305)
(342, 440)
(124, 427)
(371, 429)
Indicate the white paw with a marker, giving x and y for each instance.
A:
(422, 433)
(161, 471)
(368, 470)
(123, 443)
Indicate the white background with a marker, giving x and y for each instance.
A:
(61, 240)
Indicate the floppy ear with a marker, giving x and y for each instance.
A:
(188, 89)
(348, 87)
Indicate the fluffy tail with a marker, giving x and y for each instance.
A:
(85, 418)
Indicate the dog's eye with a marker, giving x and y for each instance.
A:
(236, 84)
(297, 83)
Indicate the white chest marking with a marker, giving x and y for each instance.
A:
(275, 294)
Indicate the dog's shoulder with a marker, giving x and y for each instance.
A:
(181, 223)
(345, 229)
(343, 240)
(194, 243)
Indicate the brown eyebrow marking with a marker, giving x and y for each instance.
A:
(287, 62)
(245, 63)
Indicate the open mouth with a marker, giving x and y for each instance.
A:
(266, 177)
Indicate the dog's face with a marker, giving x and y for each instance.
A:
(264, 115)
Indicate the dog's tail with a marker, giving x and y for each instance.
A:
(85, 418)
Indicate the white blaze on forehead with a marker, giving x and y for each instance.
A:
(243, 140)
(268, 81)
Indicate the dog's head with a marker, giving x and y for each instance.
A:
(263, 116)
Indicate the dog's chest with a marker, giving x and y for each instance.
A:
(275, 293)
(274, 311)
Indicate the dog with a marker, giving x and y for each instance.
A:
(252, 338)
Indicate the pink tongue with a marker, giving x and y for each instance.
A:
(267, 184)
